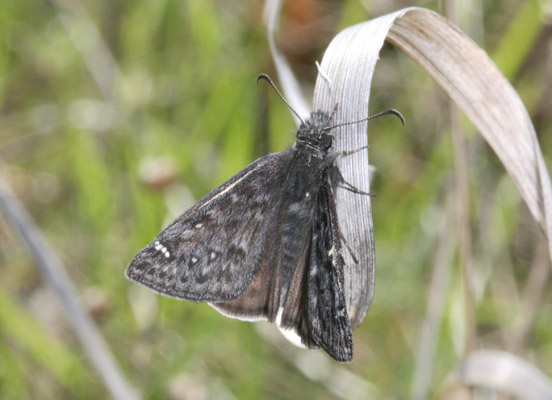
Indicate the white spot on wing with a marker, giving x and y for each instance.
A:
(279, 316)
(162, 249)
(331, 253)
(198, 226)
(292, 336)
(288, 333)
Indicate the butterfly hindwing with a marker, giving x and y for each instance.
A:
(210, 253)
(260, 300)
(328, 320)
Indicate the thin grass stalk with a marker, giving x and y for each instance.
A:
(462, 200)
(438, 290)
(94, 51)
(53, 273)
(531, 298)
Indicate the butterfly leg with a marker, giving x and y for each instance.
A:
(342, 183)
(355, 259)
(346, 153)
(349, 152)
(347, 186)
(341, 180)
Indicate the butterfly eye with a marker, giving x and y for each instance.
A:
(326, 141)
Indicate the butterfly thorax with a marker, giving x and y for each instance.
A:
(308, 172)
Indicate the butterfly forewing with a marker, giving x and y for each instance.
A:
(212, 252)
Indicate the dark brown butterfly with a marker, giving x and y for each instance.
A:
(265, 245)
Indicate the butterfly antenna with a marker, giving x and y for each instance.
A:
(386, 112)
(267, 78)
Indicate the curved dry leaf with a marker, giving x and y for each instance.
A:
(470, 78)
(476, 85)
(506, 373)
(345, 79)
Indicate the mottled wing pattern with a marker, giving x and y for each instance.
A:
(315, 307)
(260, 300)
(328, 320)
(295, 316)
(284, 253)
(212, 252)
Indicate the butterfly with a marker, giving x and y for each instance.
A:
(266, 244)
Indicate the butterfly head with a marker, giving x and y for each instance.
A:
(315, 131)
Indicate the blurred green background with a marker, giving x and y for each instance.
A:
(117, 115)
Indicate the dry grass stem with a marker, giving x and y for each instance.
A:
(53, 272)
(439, 287)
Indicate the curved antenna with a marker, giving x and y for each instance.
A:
(267, 78)
(386, 112)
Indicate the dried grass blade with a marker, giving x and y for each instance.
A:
(345, 79)
(473, 82)
(476, 85)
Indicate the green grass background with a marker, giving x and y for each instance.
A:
(184, 90)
